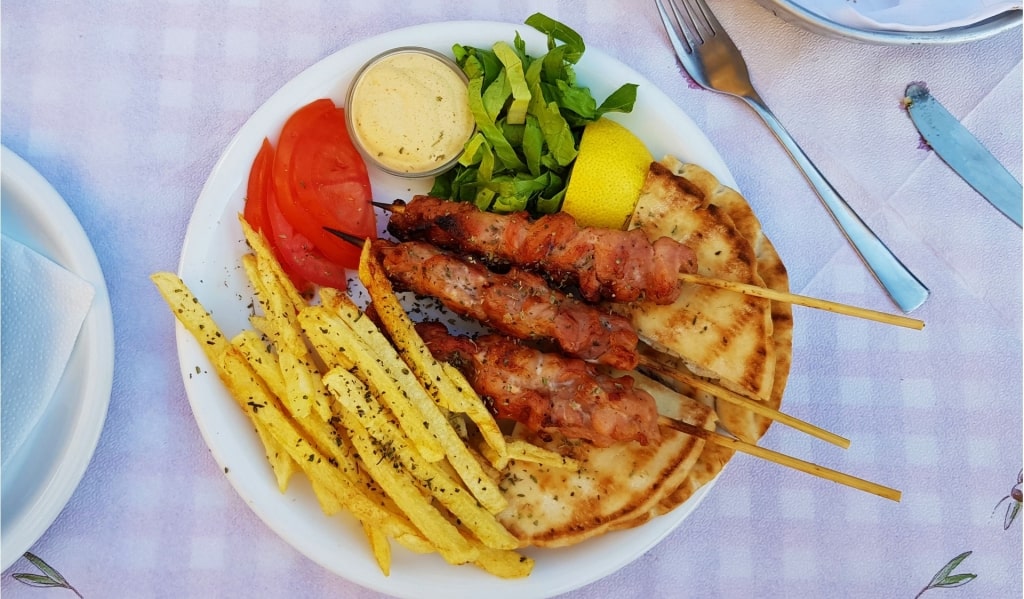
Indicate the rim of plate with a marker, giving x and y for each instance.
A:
(204, 265)
(792, 11)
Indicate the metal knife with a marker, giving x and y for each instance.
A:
(963, 152)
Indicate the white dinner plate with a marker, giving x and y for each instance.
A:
(802, 13)
(40, 478)
(210, 266)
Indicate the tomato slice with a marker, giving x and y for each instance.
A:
(321, 181)
(299, 258)
(256, 190)
(302, 262)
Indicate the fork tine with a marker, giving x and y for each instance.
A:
(692, 14)
(676, 34)
(701, 13)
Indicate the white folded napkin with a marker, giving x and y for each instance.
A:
(43, 306)
(908, 15)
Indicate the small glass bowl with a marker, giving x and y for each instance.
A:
(358, 137)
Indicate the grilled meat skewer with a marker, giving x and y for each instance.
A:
(548, 392)
(517, 303)
(604, 264)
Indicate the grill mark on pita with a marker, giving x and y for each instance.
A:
(773, 272)
(552, 507)
(716, 332)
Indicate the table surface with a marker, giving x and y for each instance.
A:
(125, 107)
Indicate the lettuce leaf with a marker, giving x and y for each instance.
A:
(530, 113)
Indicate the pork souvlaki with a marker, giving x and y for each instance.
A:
(547, 392)
(604, 264)
(516, 303)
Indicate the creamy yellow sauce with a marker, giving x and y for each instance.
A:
(410, 112)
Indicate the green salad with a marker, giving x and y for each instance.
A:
(530, 113)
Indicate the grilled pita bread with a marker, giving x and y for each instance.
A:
(738, 421)
(717, 333)
(554, 507)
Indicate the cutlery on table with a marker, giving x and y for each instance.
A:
(710, 57)
(963, 152)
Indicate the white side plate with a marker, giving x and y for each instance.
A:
(41, 478)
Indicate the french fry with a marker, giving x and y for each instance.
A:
(253, 274)
(380, 461)
(191, 314)
(352, 395)
(282, 464)
(415, 481)
(379, 545)
(455, 394)
(259, 355)
(504, 564)
(452, 391)
(264, 410)
(418, 357)
(281, 303)
(473, 407)
(329, 502)
(257, 403)
(386, 375)
(527, 452)
(265, 255)
(298, 383)
(198, 321)
(329, 440)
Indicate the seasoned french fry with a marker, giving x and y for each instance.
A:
(298, 384)
(352, 395)
(527, 452)
(473, 407)
(197, 320)
(505, 564)
(252, 396)
(191, 314)
(455, 394)
(281, 303)
(321, 433)
(253, 274)
(381, 435)
(386, 375)
(262, 359)
(329, 502)
(257, 403)
(265, 255)
(379, 545)
(437, 381)
(281, 463)
(378, 459)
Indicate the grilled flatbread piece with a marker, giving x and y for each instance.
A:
(554, 507)
(717, 333)
(740, 422)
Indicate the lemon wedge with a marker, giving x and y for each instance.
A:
(609, 172)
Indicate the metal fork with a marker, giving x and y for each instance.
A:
(713, 61)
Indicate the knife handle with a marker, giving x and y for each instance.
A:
(902, 286)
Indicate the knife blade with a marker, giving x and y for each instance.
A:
(963, 152)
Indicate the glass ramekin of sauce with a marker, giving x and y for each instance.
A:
(408, 112)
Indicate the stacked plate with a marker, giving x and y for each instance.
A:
(58, 370)
(901, 22)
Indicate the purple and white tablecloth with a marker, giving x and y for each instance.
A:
(126, 106)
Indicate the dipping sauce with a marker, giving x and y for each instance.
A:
(408, 112)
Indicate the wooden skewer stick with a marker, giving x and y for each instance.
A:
(752, 405)
(803, 300)
(782, 459)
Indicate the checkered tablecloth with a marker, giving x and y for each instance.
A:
(126, 106)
